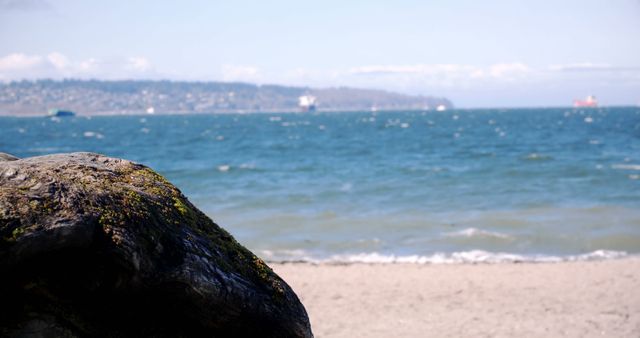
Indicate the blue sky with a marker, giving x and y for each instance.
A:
(477, 53)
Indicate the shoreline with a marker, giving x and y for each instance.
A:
(530, 299)
(460, 257)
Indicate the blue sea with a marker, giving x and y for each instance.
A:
(420, 186)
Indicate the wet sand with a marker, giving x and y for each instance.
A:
(571, 299)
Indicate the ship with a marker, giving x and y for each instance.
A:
(60, 113)
(307, 103)
(589, 102)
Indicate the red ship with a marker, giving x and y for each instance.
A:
(590, 101)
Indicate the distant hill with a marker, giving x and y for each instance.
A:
(90, 97)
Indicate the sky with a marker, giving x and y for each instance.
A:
(491, 53)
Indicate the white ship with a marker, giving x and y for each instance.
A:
(307, 103)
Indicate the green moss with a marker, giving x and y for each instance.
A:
(34, 204)
(109, 218)
(152, 175)
(263, 269)
(180, 206)
(17, 232)
(266, 274)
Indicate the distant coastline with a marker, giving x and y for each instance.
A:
(298, 111)
(95, 97)
(220, 112)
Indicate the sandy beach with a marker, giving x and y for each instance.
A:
(571, 299)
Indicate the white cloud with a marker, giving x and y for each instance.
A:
(508, 70)
(423, 69)
(88, 65)
(590, 67)
(500, 70)
(239, 73)
(58, 60)
(56, 65)
(138, 64)
(438, 75)
(478, 74)
(18, 61)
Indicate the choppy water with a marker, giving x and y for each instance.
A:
(471, 185)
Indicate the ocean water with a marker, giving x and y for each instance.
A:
(455, 186)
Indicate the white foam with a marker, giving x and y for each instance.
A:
(90, 134)
(533, 156)
(224, 168)
(626, 166)
(463, 257)
(248, 166)
(537, 156)
(475, 232)
(374, 240)
(292, 255)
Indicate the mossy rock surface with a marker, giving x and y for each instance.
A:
(98, 246)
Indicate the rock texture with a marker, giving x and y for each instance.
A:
(98, 246)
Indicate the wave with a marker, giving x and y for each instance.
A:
(462, 257)
(475, 232)
(626, 166)
(538, 157)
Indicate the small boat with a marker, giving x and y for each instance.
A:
(60, 113)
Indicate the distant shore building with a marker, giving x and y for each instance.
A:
(307, 103)
(589, 102)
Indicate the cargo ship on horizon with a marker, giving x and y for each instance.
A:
(589, 102)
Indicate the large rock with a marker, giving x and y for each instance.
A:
(98, 246)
